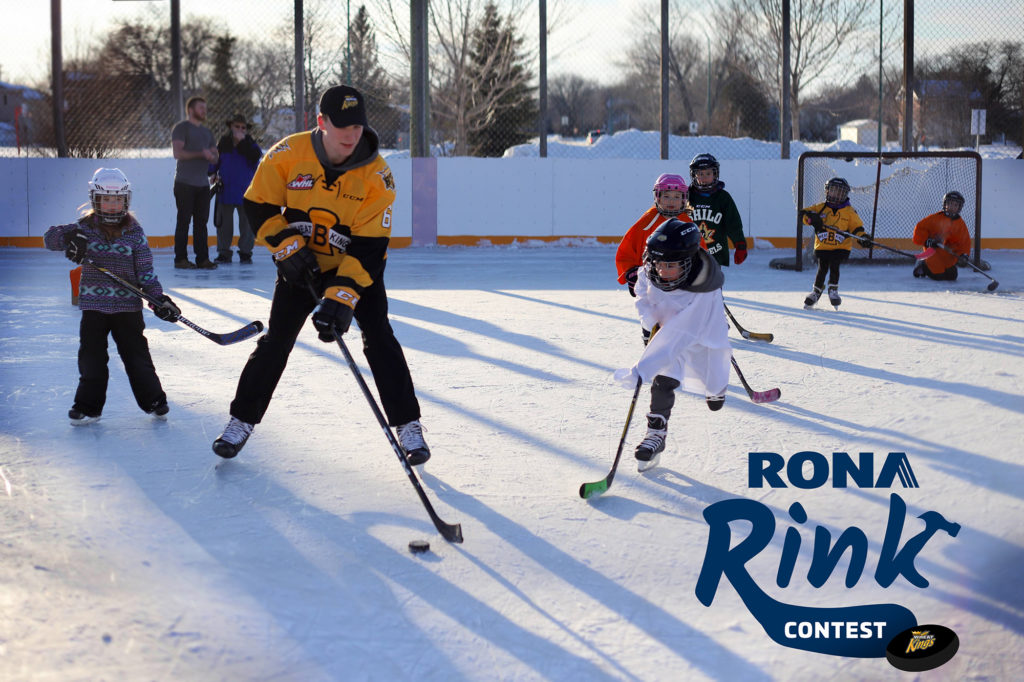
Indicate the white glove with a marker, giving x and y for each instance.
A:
(627, 377)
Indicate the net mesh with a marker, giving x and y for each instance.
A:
(909, 187)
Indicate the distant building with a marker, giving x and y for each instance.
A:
(942, 112)
(863, 131)
(15, 101)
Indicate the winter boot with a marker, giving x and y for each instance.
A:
(79, 418)
(233, 439)
(410, 435)
(649, 450)
(159, 410)
(919, 269)
(812, 297)
(833, 295)
(715, 402)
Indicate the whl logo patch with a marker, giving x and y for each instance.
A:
(301, 181)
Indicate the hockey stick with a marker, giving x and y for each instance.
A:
(248, 331)
(769, 396)
(870, 240)
(588, 490)
(992, 285)
(450, 532)
(757, 336)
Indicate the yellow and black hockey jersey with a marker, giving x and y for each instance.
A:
(344, 212)
(844, 219)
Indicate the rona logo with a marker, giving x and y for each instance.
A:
(813, 470)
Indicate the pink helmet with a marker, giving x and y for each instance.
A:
(669, 182)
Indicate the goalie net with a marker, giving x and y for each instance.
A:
(891, 192)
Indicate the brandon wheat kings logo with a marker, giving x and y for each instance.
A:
(860, 631)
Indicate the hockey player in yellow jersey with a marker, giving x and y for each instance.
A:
(321, 202)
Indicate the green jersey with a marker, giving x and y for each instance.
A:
(719, 221)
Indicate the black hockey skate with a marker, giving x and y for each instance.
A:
(715, 402)
(833, 296)
(812, 298)
(649, 451)
(229, 443)
(410, 435)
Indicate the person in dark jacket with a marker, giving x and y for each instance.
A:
(239, 156)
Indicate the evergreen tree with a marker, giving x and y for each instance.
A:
(363, 71)
(505, 111)
(226, 95)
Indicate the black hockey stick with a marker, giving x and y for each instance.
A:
(992, 285)
(757, 336)
(870, 240)
(248, 331)
(769, 396)
(450, 532)
(594, 489)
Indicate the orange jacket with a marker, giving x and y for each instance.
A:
(630, 253)
(951, 232)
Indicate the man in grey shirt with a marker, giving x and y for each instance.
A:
(194, 149)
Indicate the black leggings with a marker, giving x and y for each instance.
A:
(126, 328)
(289, 310)
(829, 262)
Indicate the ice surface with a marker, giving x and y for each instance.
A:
(130, 551)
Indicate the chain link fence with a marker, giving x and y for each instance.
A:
(603, 75)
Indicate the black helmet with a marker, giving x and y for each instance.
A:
(837, 190)
(700, 162)
(674, 241)
(956, 198)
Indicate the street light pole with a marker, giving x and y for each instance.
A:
(707, 122)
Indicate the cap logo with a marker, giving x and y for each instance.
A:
(350, 101)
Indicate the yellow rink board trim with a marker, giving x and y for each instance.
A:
(504, 240)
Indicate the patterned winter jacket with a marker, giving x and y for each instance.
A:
(126, 255)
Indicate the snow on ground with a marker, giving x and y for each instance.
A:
(130, 551)
(646, 144)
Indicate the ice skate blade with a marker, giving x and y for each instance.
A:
(642, 466)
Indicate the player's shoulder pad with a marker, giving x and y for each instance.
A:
(711, 276)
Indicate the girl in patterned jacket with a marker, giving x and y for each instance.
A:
(109, 236)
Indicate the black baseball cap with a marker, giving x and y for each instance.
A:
(344, 106)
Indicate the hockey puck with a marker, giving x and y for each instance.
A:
(419, 546)
(922, 647)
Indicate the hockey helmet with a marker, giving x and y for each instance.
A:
(702, 162)
(837, 190)
(110, 182)
(952, 204)
(669, 182)
(674, 241)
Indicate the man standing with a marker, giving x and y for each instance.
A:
(193, 147)
(239, 155)
(330, 247)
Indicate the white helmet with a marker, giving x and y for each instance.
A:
(110, 182)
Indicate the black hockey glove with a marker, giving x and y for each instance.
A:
(294, 261)
(813, 219)
(167, 311)
(333, 314)
(963, 261)
(631, 281)
(864, 241)
(76, 246)
(932, 243)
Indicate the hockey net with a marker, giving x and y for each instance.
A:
(891, 192)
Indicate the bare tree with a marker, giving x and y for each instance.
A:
(576, 99)
(822, 34)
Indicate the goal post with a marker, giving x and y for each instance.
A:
(891, 193)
